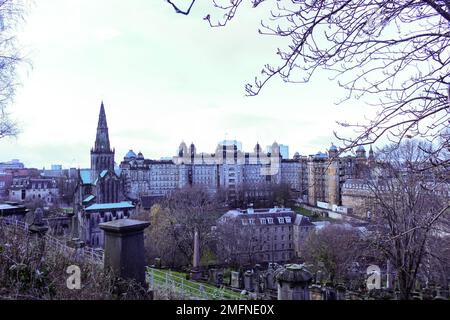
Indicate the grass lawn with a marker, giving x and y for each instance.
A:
(191, 287)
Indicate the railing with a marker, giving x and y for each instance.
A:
(166, 280)
(94, 255)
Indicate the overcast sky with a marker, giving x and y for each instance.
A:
(164, 78)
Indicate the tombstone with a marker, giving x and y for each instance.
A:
(219, 277)
(293, 282)
(235, 280)
(212, 275)
(330, 293)
(78, 245)
(340, 292)
(257, 278)
(249, 280)
(319, 277)
(388, 275)
(38, 227)
(315, 292)
(271, 284)
(158, 263)
(124, 248)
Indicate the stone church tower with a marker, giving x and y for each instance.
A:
(102, 157)
(99, 195)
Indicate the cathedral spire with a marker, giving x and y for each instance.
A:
(102, 138)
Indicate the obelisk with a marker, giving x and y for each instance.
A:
(195, 272)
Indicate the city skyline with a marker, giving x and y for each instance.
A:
(155, 95)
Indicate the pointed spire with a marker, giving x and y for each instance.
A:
(102, 138)
(102, 118)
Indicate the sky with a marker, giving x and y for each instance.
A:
(164, 78)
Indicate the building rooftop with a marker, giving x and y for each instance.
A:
(108, 206)
(85, 175)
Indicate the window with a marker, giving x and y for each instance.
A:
(281, 220)
(263, 220)
(244, 222)
(287, 219)
(270, 220)
(251, 221)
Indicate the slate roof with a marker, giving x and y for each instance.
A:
(85, 175)
(89, 198)
(108, 206)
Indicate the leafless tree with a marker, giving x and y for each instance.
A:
(11, 15)
(236, 245)
(333, 250)
(392, 53)
(175, 219)
(412, 206)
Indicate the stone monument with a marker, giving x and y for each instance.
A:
(293, 281)
(195, 272)
(124, 248)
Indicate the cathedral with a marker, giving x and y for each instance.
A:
(100, 195)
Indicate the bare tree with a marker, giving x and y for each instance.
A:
(11, 15)
(333, 250)
(174, 221)
(236, 245)
(411, 211)
(393, 53)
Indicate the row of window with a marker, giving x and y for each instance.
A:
(281, 220)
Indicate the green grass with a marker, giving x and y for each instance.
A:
(191, 287)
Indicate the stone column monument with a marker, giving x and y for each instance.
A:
(124, 248)
(195, 272)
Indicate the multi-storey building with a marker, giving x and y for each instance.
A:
(264, 235)
(327, 173)
(24, 189)
(229, 169)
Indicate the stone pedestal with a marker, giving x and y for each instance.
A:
(293, 282)
(124, 248)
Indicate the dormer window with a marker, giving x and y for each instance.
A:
(251, 221)
(280, 220)
(270, 220)
(263, 220)
(287, 219)
(244, 222)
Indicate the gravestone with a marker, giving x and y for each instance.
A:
(212, 275)
(38, 227)
(219, 277)
(158, 263)
(249, 280)
(271, 284)
(235, 280)
(315, 292)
